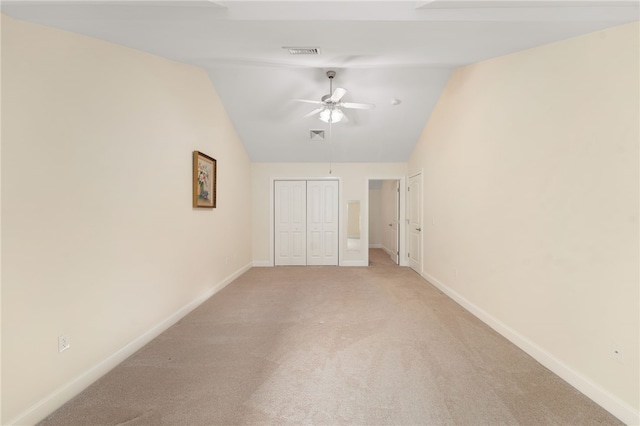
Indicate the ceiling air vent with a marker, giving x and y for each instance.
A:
(303, 50)
(316, 135)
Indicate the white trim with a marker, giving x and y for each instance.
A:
(599, 395)
(272, 219)
(354, 263)
(375, 246)
(63, 394)
(262, 263)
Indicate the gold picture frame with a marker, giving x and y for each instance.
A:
(204, 180)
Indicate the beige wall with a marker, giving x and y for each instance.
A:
(354, 186)
(0, 223)
(99, 239)
(531, 192)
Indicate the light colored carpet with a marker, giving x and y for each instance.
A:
(329, 346)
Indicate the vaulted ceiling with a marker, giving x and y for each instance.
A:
(395, 54)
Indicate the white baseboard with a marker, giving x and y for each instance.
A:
(354, 263)
(267, 264)
(60, 396)
(375, 245)
(600, 396)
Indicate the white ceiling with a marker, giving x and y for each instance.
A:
(381, 50)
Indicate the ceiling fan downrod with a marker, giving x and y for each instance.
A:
(331, 74)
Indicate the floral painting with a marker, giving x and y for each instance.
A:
(204, 180)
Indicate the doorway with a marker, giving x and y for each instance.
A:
(384, 216)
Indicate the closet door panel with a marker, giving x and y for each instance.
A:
(322, 223)
(290, 223)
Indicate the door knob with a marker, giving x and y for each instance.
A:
(390, 225)
(418, 229)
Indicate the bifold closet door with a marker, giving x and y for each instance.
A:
(290, 222)
(305, 222)
(322, 222)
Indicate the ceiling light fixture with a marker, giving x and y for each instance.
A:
(330, 106)
(331, 115)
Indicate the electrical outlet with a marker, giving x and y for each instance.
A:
(63, 343)
(617, 353)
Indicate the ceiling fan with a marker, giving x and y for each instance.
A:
(331, 104)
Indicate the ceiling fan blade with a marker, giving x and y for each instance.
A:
(357, 105)
(315, 111)
(308, 101)
(337, 94)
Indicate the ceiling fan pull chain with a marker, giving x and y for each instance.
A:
(330, 151)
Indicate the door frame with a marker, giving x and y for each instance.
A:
(402, 227)
(272, 218)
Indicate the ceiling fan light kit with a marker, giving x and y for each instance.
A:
(333, 116)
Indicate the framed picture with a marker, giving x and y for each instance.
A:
(204, 180)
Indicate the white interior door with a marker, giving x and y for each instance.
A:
(395, 224)
(290, 227)
(322, 222)
(414, 221)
